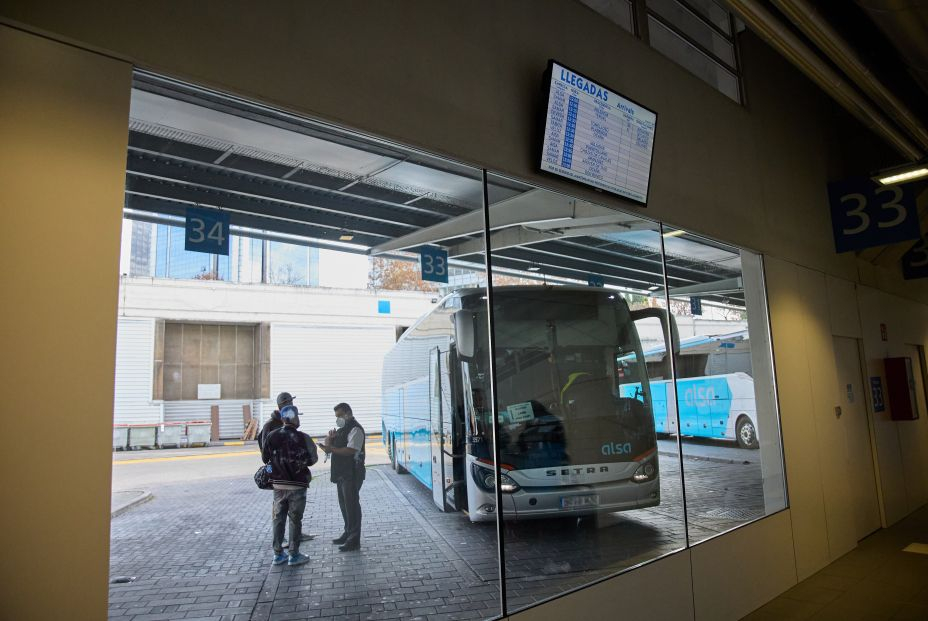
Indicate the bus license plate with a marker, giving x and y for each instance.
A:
(576, 502)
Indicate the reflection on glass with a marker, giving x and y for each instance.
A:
(586, 491)
(339, 220)
(720, 411)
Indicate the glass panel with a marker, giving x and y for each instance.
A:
(697, 63)
(342, 223)
(694, 28)
(725, 408)
(713, 12)
(586, 490)
(616, 11)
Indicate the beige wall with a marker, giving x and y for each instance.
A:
(463, 81)
(63, 115)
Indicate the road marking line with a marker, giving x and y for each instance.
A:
(234, 443)
(149, 460)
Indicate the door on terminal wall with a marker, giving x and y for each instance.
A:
(861, 473)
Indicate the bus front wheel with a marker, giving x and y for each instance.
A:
(746, 433)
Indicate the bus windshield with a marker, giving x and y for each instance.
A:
(562, 355)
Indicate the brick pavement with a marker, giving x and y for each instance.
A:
(202, 550)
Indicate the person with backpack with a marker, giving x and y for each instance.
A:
(290, 453)
(274, 423)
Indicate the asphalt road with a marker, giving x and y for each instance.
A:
(144, 470)
(137, 470)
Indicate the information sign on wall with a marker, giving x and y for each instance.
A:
(876, 389)
(596, 136)
(696, 306)
(915, 261)
(866, 214)
(207, 231)
(433, 264)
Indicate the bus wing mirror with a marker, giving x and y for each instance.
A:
(464, 333)
(666, 320)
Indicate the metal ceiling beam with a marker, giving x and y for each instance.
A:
(160, 205)
(194, 195)
(529, 207)
(208, 176)
(781, 38)
(808, 19)
(603, 256)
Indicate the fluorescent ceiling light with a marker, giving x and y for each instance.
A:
(345, 236)
(676, 233)
(901, 177)
(534, 267)
(653, 288)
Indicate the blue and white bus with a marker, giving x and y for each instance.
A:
(570, 443)
(715, 387)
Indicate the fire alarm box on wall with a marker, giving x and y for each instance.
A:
(900, 387)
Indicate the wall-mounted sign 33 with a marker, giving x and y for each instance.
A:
(207, 231)
(915, 261)
(866, 214)
(433, 264)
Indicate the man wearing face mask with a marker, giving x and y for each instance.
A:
(346, 446)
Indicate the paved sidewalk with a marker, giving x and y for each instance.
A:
(203, 549)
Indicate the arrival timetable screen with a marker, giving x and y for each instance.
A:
(596, 136)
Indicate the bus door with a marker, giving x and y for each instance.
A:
(450, 451)
(437, 427)
(720, 404)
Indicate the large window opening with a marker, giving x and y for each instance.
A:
(528, 412)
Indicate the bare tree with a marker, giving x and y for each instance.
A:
(396, 275)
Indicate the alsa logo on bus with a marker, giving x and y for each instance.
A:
(698, 396)
(614, 448)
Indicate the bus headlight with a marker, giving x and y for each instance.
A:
(645, 472)
(486, 480)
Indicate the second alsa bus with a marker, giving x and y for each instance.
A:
(716, 390)
(569, 442)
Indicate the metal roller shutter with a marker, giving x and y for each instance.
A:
(325, 365)
(132, 404)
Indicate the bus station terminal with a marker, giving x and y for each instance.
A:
(598, 308)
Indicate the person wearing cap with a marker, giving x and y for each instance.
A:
(283, 400)
(290, 453)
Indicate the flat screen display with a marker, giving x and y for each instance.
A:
(597, 137)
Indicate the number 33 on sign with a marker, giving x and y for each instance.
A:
(866, 214)
(207, 231)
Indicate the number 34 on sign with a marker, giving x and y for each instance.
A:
(866, 214)
(207, 231)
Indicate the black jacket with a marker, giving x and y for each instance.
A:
(271, 425)
(290, 454)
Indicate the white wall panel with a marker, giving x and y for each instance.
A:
(842, 306)
(794, 387)
(657, 591)
(742, 570)
(902, 446)
(831, 439)
(325, 365)
(132, 404)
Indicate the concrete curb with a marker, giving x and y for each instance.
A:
(143, 496)
(718, 460)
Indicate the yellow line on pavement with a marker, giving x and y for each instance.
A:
(149, 460)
